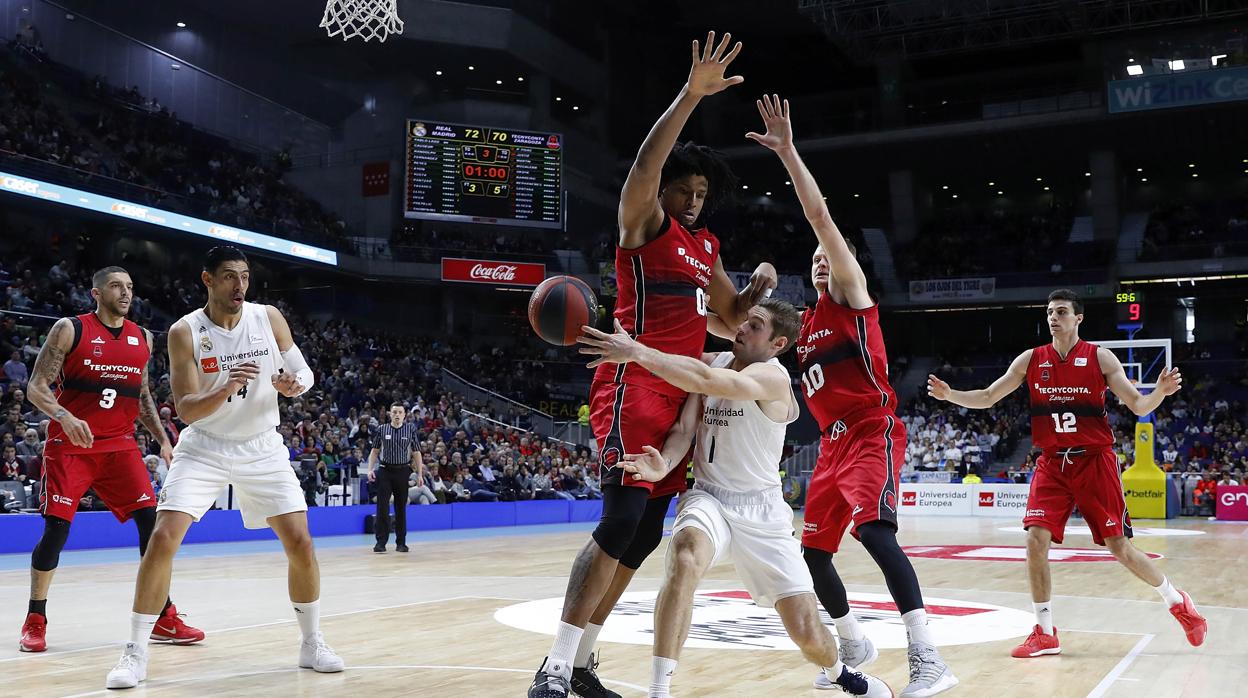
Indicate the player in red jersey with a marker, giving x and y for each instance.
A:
(1066, 381)
(844, 372)
(98, 362)
(670, 276)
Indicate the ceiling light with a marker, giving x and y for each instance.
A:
(1195, 175)
(745, 186)
(520, 79)
(1191, 165)
(787, 183)
(1143, 179)
(576, 108)
(1000, 193)
(1039, 179)
(992, 184)
(1177, 64)
(437, 72)
(498, 82)
(472, 67)
(182, 25)
(1046, 188)
(1135, 70)
(768, 193)
(858, 195)
(558, 99)
(1087, 174)
(1139, 169)
(955, 196)
(946, 186)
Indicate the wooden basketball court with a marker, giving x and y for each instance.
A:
(424, 624)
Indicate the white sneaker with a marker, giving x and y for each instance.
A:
(929, 674)
(131, 669)
(855, 653)
(315, 654)
(856, 683)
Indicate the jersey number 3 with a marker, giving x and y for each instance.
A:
(1064, 423)
(108, 397)
(812, 379)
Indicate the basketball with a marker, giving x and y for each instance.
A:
(559, 307)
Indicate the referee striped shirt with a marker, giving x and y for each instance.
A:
(395, 445)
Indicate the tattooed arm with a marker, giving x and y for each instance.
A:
(148, 416)
(47, 370)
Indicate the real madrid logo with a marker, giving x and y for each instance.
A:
(205, 343)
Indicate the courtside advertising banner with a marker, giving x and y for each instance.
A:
(1232, 503)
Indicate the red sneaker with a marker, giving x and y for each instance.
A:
(1037, 644)
(171, 628)
(1193, 623)
(34, 631)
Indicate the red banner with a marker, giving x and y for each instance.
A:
(1232, 503)
(484, 271)
(376, 180)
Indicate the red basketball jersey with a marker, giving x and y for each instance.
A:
(662, 299)
(844, 365)
(1067, 398)
(100, 383)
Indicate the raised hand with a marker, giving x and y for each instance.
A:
(775, 113)
(937, 388)
(706, 77)
(1170, 381)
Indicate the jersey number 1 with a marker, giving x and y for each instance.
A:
(1064, 423)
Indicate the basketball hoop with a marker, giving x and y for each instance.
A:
(368, 19)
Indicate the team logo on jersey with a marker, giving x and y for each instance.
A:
(203, 329)
(1044, 375)
(164, 494)
(707, 245)
(145, 497)
(132, 341)
(209, 364)
(205, 343)
(611, 457)
(98, 340)
(890, 501)
(1081, 361)
(97, 352)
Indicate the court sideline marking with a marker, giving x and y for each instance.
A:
(1112, 676)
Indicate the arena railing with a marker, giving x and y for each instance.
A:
(545, 424)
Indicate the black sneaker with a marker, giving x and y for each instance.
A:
(401, 547)
(379, 548)
(585, 682)
(548, 685)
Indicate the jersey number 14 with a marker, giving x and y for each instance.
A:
(242, 394)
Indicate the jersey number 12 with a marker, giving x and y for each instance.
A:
(1064, 423)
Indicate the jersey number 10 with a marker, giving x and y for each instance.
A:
(812, 379)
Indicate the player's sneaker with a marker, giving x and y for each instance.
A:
(316, 655)
(585, 681)
(1193, 623)
(855, 653)
(34, 632)
(856, 683)
(131, 669)
(379, 548)
(171, 628)
(549, 685)
(929, 674)
(1038, 644)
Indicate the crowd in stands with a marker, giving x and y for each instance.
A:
(54, 114)
(947, 437)
(429, 241)
(1190, 231)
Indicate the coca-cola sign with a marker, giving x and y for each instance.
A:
(485, 271)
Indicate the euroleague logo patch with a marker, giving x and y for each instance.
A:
(1010, 553)
(728, 619)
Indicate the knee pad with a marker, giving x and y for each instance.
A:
(47, 553)
(622, 510)
(649, 533)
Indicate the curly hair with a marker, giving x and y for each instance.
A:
(689, 158)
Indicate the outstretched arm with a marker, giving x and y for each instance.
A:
(1116, 378)
(987, 397)
(779, 139)
(639, 214)
(754, 382)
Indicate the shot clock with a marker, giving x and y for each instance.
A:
(481, 174)
(1129, 308)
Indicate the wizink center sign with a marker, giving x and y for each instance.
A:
(1178, 90)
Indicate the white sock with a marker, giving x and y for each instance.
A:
(1044, 616)
(848, 628)
(1168, 592)
(833, 673)
(916, 626)
(586, 646)
(567, 639)
(309, 617)
(661, 670)
(141, 626)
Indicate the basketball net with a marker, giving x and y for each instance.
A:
(367, 19)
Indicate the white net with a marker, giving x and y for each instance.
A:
(367, 19)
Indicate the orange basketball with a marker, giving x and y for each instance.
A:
(559, 307)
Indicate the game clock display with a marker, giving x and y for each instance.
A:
(480, 174)
(1130, 308)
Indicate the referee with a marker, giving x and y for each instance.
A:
(396, 444)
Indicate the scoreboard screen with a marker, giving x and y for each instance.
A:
(1130, 308)
(479, 174)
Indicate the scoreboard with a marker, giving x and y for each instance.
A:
(480, 174)
(1130, 308)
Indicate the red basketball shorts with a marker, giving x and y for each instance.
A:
(119, 478)
(855, 478)
(624, 419)
(1087, 479)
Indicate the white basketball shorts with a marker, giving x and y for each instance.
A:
(258, 468)
(755, 530)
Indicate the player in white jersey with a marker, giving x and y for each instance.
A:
(739, 405)
(228, 362)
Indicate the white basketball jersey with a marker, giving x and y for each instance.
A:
(251, 410)
(739, 447)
